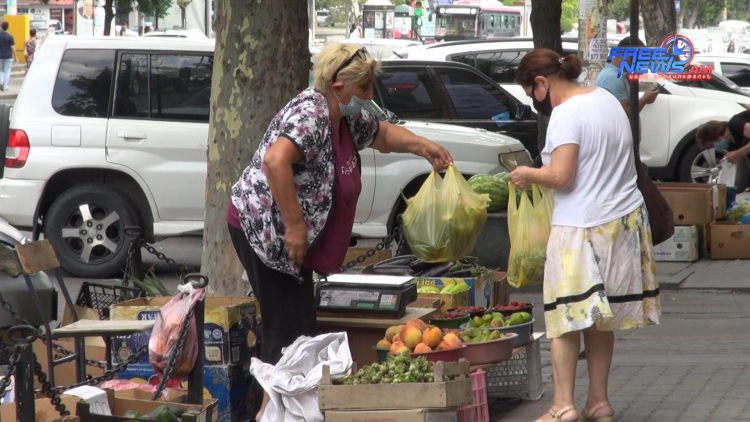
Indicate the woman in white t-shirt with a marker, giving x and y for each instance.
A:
(599, 274)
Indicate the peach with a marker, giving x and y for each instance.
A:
(443, 345)
(396, 346)
(432, 336)
(422, 348)
(411, 336)
(453, 341)
(384, 344)
(391, 332)
(418, 323)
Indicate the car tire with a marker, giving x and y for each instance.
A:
(695, 157)
(86, 215)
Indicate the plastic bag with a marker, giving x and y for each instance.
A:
(444, 219)
(529, 226)
(166, 334)
(724, 174)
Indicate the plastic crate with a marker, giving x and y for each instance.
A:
(102, 296)
(477, 411)
(518, 377)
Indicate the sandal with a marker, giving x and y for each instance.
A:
(588, 415)
(557, 416)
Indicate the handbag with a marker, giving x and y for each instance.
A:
(660, 214)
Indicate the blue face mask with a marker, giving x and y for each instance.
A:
(722, 145)
(355, 104)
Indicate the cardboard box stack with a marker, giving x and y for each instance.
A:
(695, 207)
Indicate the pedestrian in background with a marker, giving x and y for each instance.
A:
(292, 210)
(354, 32)
(619, 86)
(30, 47)
(599, 275)
(123, 30)
(7, 55)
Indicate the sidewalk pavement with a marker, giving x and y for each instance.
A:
(16, 80)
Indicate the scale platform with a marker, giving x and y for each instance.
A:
(371, 294)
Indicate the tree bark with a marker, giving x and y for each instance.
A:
(592, 26)
(109, 15)
(545, 26)
(261, 62)
(659, 20)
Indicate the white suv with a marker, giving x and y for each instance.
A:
(112, 132)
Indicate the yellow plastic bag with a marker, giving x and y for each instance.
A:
(444, 219)
(529, 226)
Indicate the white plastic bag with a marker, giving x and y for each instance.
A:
(725, 175)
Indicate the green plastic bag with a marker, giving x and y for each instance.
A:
(529, 226)
(443, 221)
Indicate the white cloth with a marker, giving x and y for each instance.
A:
(355, 34)
(292, 385)
(604, 186)
(724, 174)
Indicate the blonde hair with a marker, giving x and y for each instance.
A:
(334, 55)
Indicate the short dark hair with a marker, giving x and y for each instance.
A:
(710, 132)
(625, 42)
(32, 32)
(5, 25)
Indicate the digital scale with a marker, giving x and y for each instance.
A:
(379, 294)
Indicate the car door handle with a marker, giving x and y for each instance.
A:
(127, 134)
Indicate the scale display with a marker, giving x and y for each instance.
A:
(381, 294)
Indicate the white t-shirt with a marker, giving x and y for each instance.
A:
(604, 186)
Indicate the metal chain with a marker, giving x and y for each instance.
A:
(172, 362)
(52, 394)
(12, 366)
(129, 262)
(171, 262)
(379, 247)
(107, 376)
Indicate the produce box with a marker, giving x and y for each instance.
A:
(413, 415)
(729, 240)
(425, 302)
(500, 289)
(448, 300)
(120, 405)
(228, 335)
(687, 244)
(480, 287)
(44, 411)
(355, 252)
(225, 384)
(695, 204)
(430, 395)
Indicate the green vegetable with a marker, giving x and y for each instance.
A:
(736, 213)
(163, 414)
(132, 414)
(396, 370)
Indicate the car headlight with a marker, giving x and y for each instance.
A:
(512, 160)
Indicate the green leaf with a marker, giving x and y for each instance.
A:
(144, 286)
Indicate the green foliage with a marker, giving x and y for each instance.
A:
(619, 9)
(151, 284)
(569, 15)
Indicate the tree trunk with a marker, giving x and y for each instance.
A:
(693, 15)
(545, 24)
(261, 62)
(659, 20)
(109, 15)
(545, 27)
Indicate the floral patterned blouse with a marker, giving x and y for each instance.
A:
(306, 121)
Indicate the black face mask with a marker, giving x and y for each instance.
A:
(544, 107)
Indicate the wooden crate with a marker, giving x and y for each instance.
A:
(439, 394)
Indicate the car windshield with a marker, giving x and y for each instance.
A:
(695, 35)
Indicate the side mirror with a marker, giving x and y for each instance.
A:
(521, 112)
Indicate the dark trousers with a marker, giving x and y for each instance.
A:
(287, 307)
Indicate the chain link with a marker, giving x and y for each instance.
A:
(172, 362)
(171, 262)
(129, 262)
(12, 366)
(386, 243)
(107, 376)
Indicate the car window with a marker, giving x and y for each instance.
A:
(474, 97)
(83, 83)
(500, 66)
(738, 73)
(410, 93)
(179, 86)
(469, 59)
(131, 96)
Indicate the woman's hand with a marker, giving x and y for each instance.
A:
(520, 177)
(295, 241)
(438, 156)
(733, 156)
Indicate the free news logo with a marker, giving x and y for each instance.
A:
(671, 60)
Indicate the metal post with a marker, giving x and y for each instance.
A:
(635, 122)
(24, 381)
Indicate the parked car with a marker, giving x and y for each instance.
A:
(735, 67)
(727, 37)
(381, 48)
(194, 34)
(700, 40)
(667, 147)
(97, 155)
(324, 18)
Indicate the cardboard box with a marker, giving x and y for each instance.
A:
(226, 384)
(448, 300)
(687, 244)
(95, 349)
(695, 204)
(228, 335)
(119, 404)
(43, 410)
(500, 289)
(414, 415)
(729, 240)
(425, 302)
(355, 252)
(481, 286)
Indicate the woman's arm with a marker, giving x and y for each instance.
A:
(278, 162)
(394, 138)
(735, 156)
(557, 175)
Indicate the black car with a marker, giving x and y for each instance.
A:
(454, 93)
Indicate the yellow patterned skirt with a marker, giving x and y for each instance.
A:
(603, 276)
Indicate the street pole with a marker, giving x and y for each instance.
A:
(592, 38)
(635, 121)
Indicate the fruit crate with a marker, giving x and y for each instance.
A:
(477, 411)
(520, 376)
(438, 394)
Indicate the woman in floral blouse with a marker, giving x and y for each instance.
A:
(292, 211)
(32, 44)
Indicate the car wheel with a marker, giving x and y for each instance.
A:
(696, 163)
(86, 227)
